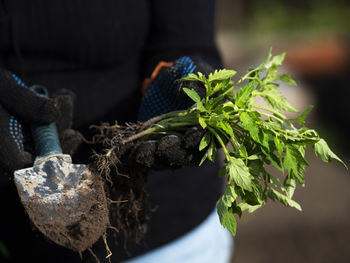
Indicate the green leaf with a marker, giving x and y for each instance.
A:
(253, 157)
(294, 162)
(202, 122)
(211, 152)
(229, 106)
(283, 199)
(293, 157)
(278, 59)
(244, 94)
(266, 62)
(266, 138)
(275, 180)
(227, 128)
(303, 115)
(229, 196)
(322, 149)
(279, 147)
(236, 209)
(205, 156)
(190, 77)
(201, 76)
(272, 158)
(249, 123)
(290, 187)
(226, 217)
(256, 168)
(192, 94)
(201, 107)
(271, 75)
(205, 141)
(221, 209)
(239, 173)
(249, 208)
(222, 74)
(270, 61)
(274, 99)
(253, 197)
(222, 86)
(287, 79)
(243, 151)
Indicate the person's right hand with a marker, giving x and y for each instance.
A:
(20, 107)
(163, 95)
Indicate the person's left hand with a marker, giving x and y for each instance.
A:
(163, 95)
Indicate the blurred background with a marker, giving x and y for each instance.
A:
(316, 36)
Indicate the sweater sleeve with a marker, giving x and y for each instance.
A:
(181, 28)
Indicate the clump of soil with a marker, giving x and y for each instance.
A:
(76, 223)
(129, 209)
(125, 161)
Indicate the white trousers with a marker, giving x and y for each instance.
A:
(207, 243)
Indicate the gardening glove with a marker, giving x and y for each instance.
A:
(163, 95)
(20, 107)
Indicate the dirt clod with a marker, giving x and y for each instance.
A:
(125, 181)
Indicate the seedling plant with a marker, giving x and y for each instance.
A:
(251, 136)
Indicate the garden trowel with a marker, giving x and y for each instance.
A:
(65, 201)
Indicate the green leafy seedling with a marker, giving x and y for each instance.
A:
(250, 135)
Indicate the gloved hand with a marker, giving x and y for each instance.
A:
(162, 93)
(19, 107)
(165, 94)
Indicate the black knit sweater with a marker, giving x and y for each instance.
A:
(102, 50)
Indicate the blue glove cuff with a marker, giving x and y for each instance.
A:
(161, 96)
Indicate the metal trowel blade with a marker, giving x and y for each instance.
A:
(51, 185)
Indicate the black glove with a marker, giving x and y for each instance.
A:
(171, 151)
(165, 94)
(19, 107)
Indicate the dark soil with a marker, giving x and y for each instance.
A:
(125, 166)
(126, 182)
(74, 223)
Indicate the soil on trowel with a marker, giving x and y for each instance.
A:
(75, 223)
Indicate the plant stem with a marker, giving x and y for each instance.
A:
(222, 96)
(272, 111)
(217, 136)
(246, 76)
(271, 116)
(140, 134)
(167, 115)
(157, 128)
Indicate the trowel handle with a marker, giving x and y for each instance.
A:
(45, 137)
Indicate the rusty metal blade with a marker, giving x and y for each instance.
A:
(65, 201)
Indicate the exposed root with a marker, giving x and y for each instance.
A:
(94, 255)
(128, 204)
(109, 252)
(111, 138)
(114, 228)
